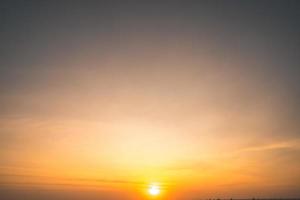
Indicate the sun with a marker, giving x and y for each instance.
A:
(154, 190)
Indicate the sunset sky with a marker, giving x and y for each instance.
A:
(109, 99)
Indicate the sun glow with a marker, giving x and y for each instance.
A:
(154, 190)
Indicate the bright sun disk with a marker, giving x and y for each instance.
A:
(154, 190)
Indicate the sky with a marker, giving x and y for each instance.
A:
(102, 99)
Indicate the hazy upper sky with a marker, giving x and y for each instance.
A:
(99, 99)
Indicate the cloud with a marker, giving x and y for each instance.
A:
(14, 179)
(273, 146)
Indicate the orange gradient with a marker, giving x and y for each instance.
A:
(134, 102)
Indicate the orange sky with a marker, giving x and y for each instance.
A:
(198, 113)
